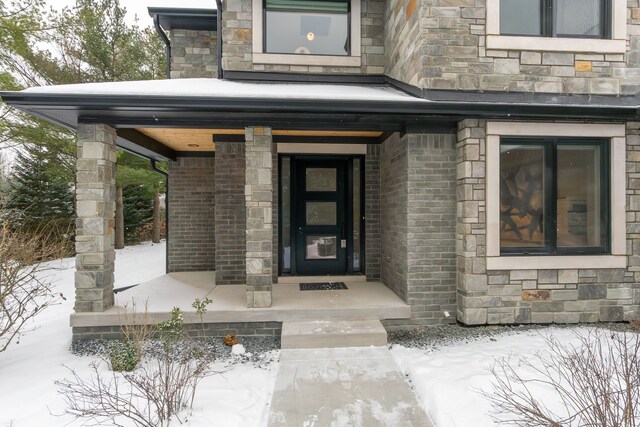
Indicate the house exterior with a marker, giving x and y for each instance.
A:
(480, 158)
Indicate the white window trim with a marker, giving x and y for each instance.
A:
(617, 43)
(259, 57)
(616, 134)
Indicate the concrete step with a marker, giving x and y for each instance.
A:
(329, 334)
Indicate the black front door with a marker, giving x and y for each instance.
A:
(320, 218)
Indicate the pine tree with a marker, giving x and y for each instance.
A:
(37, 194)
(138, 210)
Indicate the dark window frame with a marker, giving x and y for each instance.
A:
(547, 8)
(264, 33)
(550, 190)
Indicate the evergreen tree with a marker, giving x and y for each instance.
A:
(138, 210)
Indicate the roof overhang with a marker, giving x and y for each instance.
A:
(211, 103)
(172, 18)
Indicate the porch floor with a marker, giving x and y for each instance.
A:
(361, 301)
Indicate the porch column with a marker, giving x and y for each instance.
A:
(258, 197)
(95, 210)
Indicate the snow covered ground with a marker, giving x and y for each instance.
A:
(446, 379)
(239, 397)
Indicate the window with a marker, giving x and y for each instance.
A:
(556, 18)
(553, 196)
(307, 27)
(303, 32)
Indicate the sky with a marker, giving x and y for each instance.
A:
(139, 7)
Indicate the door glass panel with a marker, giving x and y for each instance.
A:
(356, 215)
(579, 196)
(322, 213)
(285, 180)
(322, 247)
(521, 195)
(321, 179)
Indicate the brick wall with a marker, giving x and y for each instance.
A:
(372, 212)
(193, 54)
(237, 41)
(230, 213)
(191, 243)
(536, 296)
(417, 213)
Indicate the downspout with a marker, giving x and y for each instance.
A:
(219, 30)
(154, 167)
(167, 44)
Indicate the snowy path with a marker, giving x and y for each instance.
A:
(356, 387)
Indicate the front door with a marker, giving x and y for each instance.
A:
(320, 218)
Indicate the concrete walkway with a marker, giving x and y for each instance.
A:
(343, 387)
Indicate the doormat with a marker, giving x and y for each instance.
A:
(322, 286)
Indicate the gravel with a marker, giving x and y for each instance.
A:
(434, 337)
(260, 352)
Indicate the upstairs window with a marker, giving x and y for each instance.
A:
(320, 27)
(556, 18)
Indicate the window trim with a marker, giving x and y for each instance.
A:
(550, 152)
(615, 44)
(260, 57)
(615, 133)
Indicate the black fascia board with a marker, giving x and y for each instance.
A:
(67, 109)
(172, 18)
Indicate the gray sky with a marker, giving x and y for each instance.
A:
(139, 7)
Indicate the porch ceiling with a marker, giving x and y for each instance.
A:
(203, 140)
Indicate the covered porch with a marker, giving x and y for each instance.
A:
(360, 301)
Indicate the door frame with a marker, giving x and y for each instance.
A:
(349, 183)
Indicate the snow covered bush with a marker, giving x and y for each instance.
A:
(161, 386)
(593, 383)
(24, 293)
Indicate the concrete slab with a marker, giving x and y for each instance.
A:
(355, 387)
(328, 334)
(362, 301)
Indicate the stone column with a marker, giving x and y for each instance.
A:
(471, 224)
(95, 205)
(258, 197)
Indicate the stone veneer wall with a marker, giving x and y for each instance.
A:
(417, 206)
(275, 205)
(191, 203)
(403, 41)
(193, 54)
(454, 56)
(537, 296)
(372, 212)
(237, 45)
(230, 213)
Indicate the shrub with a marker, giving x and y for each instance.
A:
(123, 356)
(593, 383)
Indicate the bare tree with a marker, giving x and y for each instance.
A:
(23, 293)
(593, 383)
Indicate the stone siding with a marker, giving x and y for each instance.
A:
(230, 214)
(418, 225)
(372, 212)
(536, 296)
(439, 44)
(237, 42)
(194, 54)
(216, 330)
(191, 204)
(95, 222)
(259, 226)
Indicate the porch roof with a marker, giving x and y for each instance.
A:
(367, 105)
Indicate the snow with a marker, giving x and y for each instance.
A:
(450, 378)
(215, 88)
(238, 396)
(447, 380)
